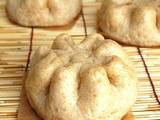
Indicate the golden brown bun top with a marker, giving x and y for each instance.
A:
(43, 12)
(92, 80)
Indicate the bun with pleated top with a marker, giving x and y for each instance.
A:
(90, 80)
(43, 13)
(132, 22)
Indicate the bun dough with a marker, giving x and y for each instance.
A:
(93, 80)
(132, 22)
(43, 12)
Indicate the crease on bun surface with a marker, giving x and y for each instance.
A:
(132, 22)
(41, 13)
(91, 80)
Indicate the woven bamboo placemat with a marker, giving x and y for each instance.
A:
(15, 44)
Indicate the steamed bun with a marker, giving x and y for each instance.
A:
(43, 12)
(93, 80)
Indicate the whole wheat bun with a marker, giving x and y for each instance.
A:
(132, 22)
(42, 13)
(92, 80)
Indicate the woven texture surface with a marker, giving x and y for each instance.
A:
(14, 49)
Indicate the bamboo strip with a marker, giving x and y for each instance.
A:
(14, 50)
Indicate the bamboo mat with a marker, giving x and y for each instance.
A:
(14, 47)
